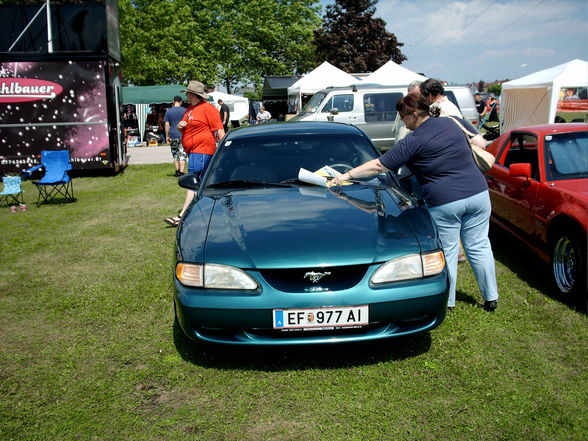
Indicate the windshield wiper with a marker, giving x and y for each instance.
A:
(243, 183)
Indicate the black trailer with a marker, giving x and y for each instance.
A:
(60, 89)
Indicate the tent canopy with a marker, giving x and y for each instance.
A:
(326, 75)
(533, 99)
(275, 87)
(238, 105)
(322, 77)
(151, 94)
(392, 74)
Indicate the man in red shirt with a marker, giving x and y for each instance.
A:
(201, 129)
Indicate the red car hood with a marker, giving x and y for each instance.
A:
(578, 186)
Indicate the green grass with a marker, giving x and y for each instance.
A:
(89, 349)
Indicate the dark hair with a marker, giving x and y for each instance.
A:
(432, 87)
(415, 103)
(178, 99)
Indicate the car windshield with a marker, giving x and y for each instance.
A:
(313, 105)
(566, 155)
(277, 159)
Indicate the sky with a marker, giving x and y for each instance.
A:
(471, 40)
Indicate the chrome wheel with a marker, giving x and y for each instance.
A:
(564, 264)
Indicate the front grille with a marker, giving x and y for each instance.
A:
(299, 279)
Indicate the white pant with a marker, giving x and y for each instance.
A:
(469, 219)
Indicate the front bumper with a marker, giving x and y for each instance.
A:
(246, 319)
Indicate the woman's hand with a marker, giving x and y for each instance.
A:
(337, 181)
(182, 124)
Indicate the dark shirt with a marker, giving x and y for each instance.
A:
(174, 115)
(480, 106)
(224, 110)
(439, 156)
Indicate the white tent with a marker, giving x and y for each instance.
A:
(392, 74)
(326, 75)
(533, 99)
(238, 105)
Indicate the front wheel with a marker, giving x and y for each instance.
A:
(568, 262)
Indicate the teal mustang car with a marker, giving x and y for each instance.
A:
(265, 258)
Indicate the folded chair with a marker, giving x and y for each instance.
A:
(56, 181)
(12, 191)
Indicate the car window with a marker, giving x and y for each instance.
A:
(566, 155)
(275, 159)
(343, 103)
(380, 106)
(522, 148)
(313, 105)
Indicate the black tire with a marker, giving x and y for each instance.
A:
(568, 264)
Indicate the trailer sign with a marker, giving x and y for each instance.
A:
(58, 105)
(16, 90)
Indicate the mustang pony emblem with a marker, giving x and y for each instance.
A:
(315, 277)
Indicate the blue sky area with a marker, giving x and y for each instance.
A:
(467, 41)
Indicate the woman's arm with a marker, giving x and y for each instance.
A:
(366, 170)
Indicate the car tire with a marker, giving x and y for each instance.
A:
(568, 264)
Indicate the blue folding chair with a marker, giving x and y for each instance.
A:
(12, 191)
(56, 180)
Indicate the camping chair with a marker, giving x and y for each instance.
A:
(12, 191)
(56, 181)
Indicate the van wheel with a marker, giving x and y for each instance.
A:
(568, 262)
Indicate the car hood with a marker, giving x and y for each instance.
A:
(579, 186)
(302, 227)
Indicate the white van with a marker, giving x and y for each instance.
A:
(372, 108)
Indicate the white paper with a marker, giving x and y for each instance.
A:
(311, 178)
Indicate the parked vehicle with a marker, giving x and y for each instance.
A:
(372, 108)
(539, 191)
(265, 259)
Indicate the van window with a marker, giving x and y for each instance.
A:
(343, 103)
(451, 97)
(380, 106)
(313, 104)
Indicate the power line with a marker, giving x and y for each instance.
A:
(462, 29)
(499, 31)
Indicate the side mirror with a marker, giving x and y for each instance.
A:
(522, 169)
(334, 111)
(191, 182)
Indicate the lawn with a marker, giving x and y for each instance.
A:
(89, 349)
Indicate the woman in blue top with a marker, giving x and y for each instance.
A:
(455, 190)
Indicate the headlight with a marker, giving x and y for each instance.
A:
(214, 276)
(413, 266)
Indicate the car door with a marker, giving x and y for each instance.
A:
(345, 105)
(514, 198)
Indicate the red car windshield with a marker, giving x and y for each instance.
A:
(566, 155)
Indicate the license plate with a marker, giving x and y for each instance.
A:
(319, 318)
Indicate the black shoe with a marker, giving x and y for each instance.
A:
(177, 173)
(490, 305)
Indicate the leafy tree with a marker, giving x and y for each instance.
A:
(256, 38)
(481, 85)
(353, 40)
(215, 40)
(495, 89)
(161, 43)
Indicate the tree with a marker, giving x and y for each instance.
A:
(215, 40)
(253, 39)
(495, 89)
(161, 44)
(353, 40)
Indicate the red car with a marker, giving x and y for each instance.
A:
(539, 192)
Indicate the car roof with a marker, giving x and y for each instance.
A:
(294, 128)
(553, 128)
